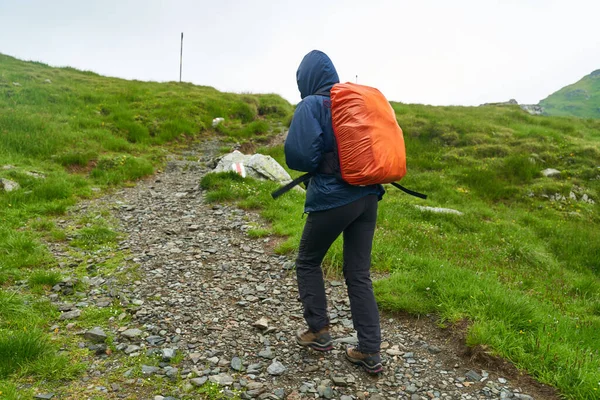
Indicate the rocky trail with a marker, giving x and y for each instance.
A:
(208, 303)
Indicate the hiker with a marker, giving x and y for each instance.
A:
(333, 207)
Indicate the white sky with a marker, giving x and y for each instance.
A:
(438, 52)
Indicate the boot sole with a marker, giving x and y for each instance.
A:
(316, 346)
(371, 369)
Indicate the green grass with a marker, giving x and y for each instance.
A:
(44, 278)
(63, 140)
(521, 269)
(9, 391)
(25, 348)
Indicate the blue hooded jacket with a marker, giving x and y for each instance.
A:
(311, 136)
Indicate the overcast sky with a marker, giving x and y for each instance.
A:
(442, 52)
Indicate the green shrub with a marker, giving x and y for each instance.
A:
(519, 169)
(243, 111)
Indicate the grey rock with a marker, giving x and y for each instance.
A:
(550, 172)
(262, 323)
(505, 394)
(439, 210)
(533, 109)
(132, 348)
(572, 196)
(199, 381)
(132, 333)
(394, 352)
(236, 364)
(149, 370)
(213, 360)
(254, 385)
(339, 381)
(168, 354)
(46, 396)
(473, 376)
(155, 340)
(172, 373)
(255, 368)
(280, 393)
(266, 353)
(411, 388)
(288, 265)
(98, 348)
(195, 357)
(221, 379)
(434, 349)
(348, 340)
(325, 391)
(96, 335)
(276, 368)
(70, 315)
(257, 166)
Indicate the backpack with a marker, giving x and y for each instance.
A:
(369, 146)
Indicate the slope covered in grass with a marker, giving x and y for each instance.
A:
(64, 135)
(581, 99)
(522, 264)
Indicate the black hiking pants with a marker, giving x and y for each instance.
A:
(357, 223)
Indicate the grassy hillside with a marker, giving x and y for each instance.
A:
(65, 135)
(581, 99)
(521, 265)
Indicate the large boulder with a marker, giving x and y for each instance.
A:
(257, 166)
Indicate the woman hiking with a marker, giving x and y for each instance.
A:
(333, 207)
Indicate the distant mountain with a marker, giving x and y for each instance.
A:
(581, 99)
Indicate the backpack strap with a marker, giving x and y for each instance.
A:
(304, 178)
(408, 191)
(289, 186)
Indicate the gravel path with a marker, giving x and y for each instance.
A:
(225, 308)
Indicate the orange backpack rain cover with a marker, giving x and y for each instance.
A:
(369, 140)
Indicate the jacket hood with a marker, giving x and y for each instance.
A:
(316, 73)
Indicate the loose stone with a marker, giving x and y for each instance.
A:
(96, 335)
(276, 368)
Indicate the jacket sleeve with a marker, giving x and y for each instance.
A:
(304, 143)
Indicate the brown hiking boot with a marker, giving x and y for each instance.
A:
(320, 341)
(370, 362)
